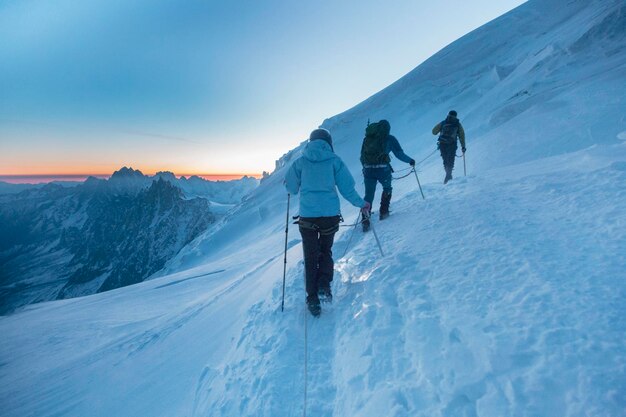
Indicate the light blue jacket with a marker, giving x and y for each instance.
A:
(317, 175)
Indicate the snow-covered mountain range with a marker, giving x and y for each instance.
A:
(11, 188)
(222, 192)
(502, 293)
(60, 242)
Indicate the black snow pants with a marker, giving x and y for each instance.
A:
(318, 234)
(448, 153)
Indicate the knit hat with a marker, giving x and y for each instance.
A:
(385, 126)
(322, 134)
(452, 113)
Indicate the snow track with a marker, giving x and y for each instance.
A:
(494, 299)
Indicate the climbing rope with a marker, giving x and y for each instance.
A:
(404, 176)
(402, 170)
(358, 222)
(413, 171)
(413, 168)
(429, 155)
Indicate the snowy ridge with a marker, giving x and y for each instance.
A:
(502, 294)
(521, 84)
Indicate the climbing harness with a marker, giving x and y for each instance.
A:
(312, 226)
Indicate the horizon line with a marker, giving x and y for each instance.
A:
(46, 178)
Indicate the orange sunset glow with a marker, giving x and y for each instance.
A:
(81, 173)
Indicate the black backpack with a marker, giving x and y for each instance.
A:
(449, 131)
(373, 148)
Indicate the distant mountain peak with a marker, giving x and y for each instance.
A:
(166, 175)
(126, 172)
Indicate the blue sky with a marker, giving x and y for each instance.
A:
(199, 86)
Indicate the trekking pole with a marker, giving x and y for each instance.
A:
(464, 169)
(306, 362)
(352, 234)
(418, 183)
(282, 305)
(367, 217)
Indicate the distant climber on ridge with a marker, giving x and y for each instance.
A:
(449, 130)
(317, 175)
(376, 168)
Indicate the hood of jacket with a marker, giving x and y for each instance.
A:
(317, 151)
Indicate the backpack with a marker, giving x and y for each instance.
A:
(373, 148)
(449, 131)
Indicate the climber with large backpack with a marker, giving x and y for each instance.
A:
(449, 131)
(376, 165)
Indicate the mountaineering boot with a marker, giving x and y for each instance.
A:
(313, 303)
(385, 199)
(448, 175)
(325, 295)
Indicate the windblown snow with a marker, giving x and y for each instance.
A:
(502, 293)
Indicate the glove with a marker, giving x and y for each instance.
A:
(366, 209)
(463, 149)
(412, 162)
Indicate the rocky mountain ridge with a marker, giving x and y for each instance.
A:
(61, 242)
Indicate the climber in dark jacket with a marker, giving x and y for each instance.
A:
(449, 131)
(376, 168)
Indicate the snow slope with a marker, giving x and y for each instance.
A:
(501, 294)
(515, 307)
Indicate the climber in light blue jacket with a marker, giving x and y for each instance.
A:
(317, 175)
